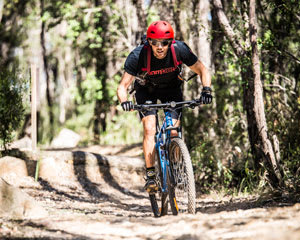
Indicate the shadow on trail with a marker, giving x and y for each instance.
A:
(51, 231)
(109, 179)
(129, 147)
(93, 189)
(79, 163)
(244, 204)
(48, 187)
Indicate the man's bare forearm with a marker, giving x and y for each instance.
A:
(123, 86)
(203, 72)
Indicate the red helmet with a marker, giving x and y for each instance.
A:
(160, 29)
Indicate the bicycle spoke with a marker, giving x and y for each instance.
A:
(183, 176)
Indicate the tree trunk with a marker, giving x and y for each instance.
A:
(261, 146)
(102, 105)
(176, 16)
(204, 27)
(46, 68)
(259, 110)
(166, 11)
(142, 18)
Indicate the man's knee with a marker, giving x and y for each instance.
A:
(149, 126)
(149, 130)
(174, 133)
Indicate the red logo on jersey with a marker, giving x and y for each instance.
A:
(163, 71)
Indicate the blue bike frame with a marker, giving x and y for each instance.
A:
(162, 141)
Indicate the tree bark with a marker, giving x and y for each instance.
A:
(258, 95)
(142, 16)
(176, 16)
(261, 146)
(204, 27)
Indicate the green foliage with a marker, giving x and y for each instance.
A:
(152, 16)
(101, 34)
(122, 129)
(80, 122)
(280, 66)
(90, 89)
(125, 128)
(12, 87)
(218, 147)
(12, 31)
(216, 161)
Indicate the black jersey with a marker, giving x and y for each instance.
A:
(163, 72)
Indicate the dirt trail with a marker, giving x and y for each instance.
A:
(116, 207)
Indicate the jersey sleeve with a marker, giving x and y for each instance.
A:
(186, 55)
(131, 65)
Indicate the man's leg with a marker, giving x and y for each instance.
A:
(149, 151)
(149, 124)
(176, 123)
(148, 141)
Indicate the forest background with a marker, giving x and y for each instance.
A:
(248, 139)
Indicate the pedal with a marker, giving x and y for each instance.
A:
(152, 189)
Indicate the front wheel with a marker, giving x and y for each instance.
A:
(183, 193)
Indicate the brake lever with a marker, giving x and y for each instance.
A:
(196, 102)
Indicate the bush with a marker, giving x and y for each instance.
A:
(12, 109)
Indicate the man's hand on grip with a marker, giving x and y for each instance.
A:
(206, 97)
(127, 105)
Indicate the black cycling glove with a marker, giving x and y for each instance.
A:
(206, 97)
(127, 105)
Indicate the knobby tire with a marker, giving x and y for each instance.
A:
(183, 193)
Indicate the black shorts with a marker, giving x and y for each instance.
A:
(164, 95)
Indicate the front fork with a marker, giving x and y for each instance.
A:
(162, 142)
(163, 156)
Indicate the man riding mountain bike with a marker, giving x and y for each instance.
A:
(156, 66)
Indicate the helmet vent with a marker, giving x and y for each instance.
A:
(160, 30)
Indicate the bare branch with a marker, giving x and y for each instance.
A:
(292, 56)
(225, 25)
(280, 87)
(276, 148)
(288, 80)
(92, 10)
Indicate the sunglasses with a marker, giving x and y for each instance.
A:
(163, 42)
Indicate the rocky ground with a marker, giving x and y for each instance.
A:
(107, 201)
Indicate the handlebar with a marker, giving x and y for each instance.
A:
(148, 106)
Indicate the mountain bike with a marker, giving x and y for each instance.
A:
(174, 170)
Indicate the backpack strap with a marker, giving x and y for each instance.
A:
(148, 59)
(176, 62)
(148, 56)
